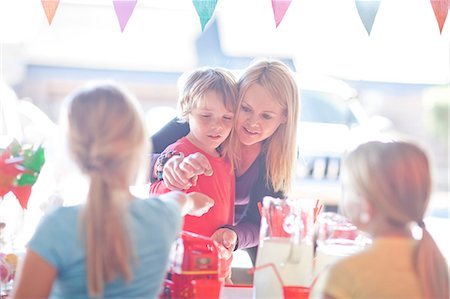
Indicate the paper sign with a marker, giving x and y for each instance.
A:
(50, 7)
(440, 8)
(124, 9)
(205, 10)
(367, 10)
(279, 9)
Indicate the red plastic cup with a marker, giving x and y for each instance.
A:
(206, 288)
(295, 292)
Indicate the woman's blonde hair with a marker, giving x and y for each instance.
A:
(280, 148)
(196, 84)
(395, 178)
(106, 137)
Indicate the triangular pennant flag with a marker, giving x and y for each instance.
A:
(22, 194)
(124, 9)
(279, 9)
(205, 10)
(50, 7)
(367, 10)
(440, 8)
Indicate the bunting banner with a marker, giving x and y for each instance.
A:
(367, 10)
(50, 7)
(124, 9)
(279, 9)
(205, 10)
(440, 8)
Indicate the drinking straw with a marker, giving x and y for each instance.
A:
(260, 208)
(277, 274)
(268, 214)
(317, 209)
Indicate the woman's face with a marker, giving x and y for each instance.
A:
(260, 115)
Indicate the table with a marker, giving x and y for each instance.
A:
(236, 291)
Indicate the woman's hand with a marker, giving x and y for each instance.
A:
(181, 173)
(225, 240)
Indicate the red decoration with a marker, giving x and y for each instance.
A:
(440, 8)
(19, 170)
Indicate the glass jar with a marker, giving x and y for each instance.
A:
(286, 244)
(336, 237)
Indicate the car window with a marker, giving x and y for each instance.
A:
(324, 107)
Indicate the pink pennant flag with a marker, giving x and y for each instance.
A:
(367, 10)
(50, 7)
(279, 9)
(440, 8)
(124, 9)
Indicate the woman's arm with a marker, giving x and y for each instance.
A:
(170, 133)
(35, 278)
(247, 229)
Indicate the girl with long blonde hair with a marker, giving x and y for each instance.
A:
(114, 245)
(387, 189)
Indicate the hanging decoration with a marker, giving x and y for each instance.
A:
(19, 170)
(50, 7)
(279, 9)
(124, 9)
(367, 10)
(205, 10)
(440, 8)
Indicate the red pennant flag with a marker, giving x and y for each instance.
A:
(124, 9)
(22, 193)
(50, 7)
(440, 8)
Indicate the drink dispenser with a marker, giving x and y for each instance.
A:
(286, 245)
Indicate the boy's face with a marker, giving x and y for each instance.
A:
(210, 122)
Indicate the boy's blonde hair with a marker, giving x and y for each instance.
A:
(280, 148)
(395, 178)
(107, 139)
(197, 83)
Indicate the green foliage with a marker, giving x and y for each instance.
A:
(437, 103)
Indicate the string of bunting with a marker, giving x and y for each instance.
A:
(367, 10)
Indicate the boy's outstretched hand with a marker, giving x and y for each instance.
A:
(201, 203)
(195, 203)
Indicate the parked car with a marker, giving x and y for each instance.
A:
(332, 121)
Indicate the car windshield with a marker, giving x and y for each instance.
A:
(322, 107)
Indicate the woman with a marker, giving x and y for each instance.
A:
(264, 146)
(108, 247)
